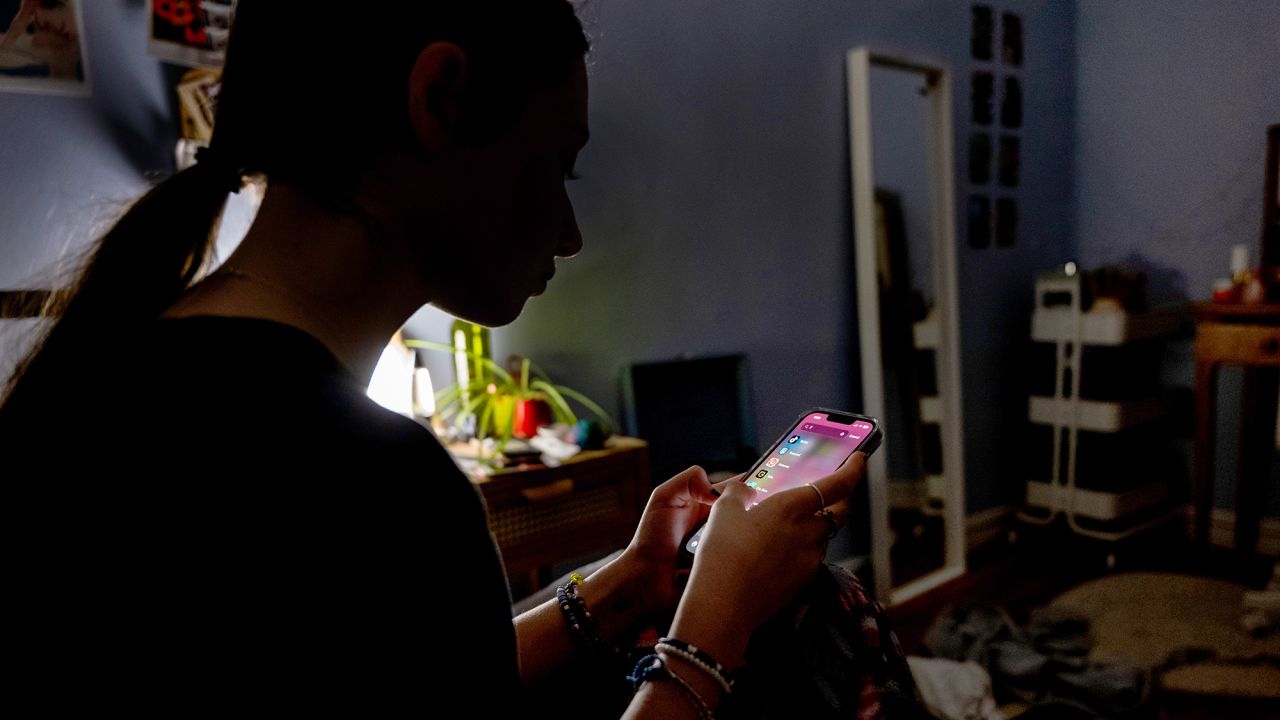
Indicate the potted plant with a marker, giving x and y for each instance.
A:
(507, 404)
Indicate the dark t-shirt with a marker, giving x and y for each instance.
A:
(211, 514)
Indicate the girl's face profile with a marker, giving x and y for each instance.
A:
(488, 222)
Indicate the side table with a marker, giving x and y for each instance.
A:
(1246, 335)
(542, 515)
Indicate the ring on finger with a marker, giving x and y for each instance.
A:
(833, 528)
(822, 501)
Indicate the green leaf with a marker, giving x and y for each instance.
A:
(447, 411)
(590, 405)
(506, 435)
(563, 412)
(503, 375)
(470, 407)
(486, 418)
(447, 398)
(537, 371)
(484, 360)
(450, 391)
(428, 345)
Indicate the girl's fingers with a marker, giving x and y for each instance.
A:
(690, 484)
(837, 486)
(736, 490)
(718, 488)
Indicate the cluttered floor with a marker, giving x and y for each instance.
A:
(1058, 626)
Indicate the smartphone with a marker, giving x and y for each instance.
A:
(818, 443)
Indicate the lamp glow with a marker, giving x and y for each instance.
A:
(392, 383)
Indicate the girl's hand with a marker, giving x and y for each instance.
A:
(675, 509)
(630, 591)
(753, 560)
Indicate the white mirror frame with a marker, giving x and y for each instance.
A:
(942, 198)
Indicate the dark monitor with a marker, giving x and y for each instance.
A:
(691, 412)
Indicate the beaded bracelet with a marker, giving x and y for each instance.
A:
(653, 667)
(582, 626)
(700, 659)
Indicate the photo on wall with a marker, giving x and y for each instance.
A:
(42, 47)
(191, 32)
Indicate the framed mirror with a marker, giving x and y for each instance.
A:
(908, 323)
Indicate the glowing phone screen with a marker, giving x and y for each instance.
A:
(815, 447)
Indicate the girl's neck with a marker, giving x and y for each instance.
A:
(305, 267)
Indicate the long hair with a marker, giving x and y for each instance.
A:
(311, 93)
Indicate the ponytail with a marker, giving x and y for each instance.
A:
(138, 269)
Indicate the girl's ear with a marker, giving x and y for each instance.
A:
(435, 86)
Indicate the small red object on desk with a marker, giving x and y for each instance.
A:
(529, 416)
(1224, 291)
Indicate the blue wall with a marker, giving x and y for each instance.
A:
(1174, 99)
(70, 164)
(1173, 103)
(716, 212)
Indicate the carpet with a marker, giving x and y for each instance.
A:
(1184, 629)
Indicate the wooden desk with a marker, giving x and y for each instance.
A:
(542, 515)
(1247, 335)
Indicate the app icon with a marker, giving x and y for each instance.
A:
(783, 451)
(793, 439)
(761, 474)
(772, 462)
